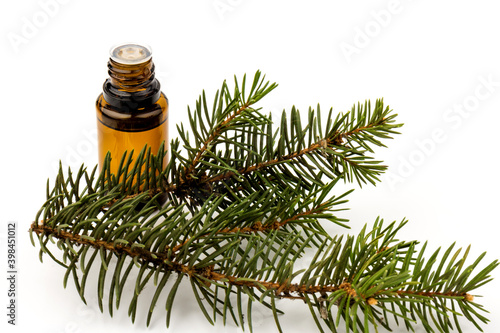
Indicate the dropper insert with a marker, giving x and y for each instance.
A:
(130, 53)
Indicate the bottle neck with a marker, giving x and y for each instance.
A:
(130, 87)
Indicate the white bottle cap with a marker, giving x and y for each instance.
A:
(130, 53)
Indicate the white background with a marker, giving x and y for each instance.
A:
(435, 63)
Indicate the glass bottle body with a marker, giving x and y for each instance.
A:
(115, 135)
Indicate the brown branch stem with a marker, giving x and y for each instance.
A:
(281, 289)
(266, 164)
(337, 140)
(258, 226)
(194, 163)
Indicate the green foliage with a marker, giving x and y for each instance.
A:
(238, 205)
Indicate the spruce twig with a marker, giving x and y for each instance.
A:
(245, 202)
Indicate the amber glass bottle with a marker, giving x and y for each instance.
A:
(131, 111)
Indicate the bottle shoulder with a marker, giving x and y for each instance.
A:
(132, 116)
(163, 100)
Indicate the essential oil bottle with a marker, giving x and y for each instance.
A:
(131, 111)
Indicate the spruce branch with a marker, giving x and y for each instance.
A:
(245, 203)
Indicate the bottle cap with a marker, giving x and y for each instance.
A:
(130, 53)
